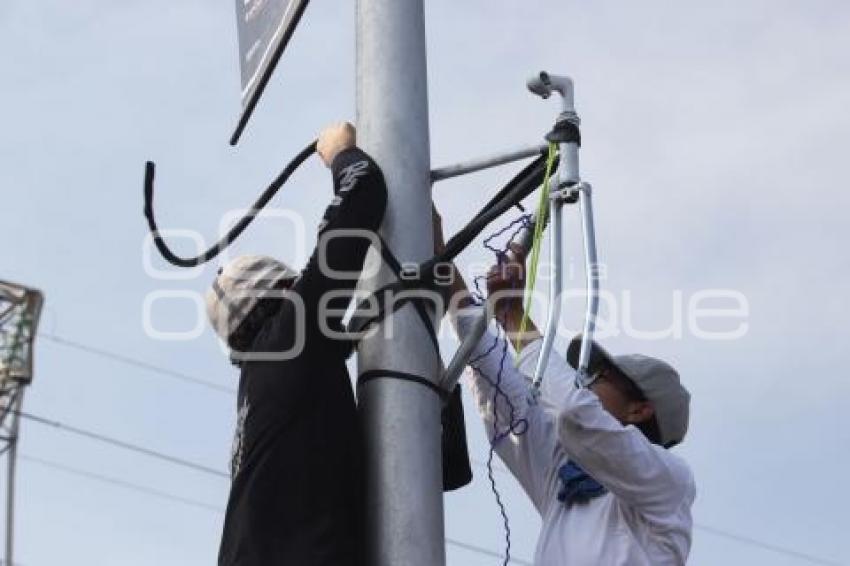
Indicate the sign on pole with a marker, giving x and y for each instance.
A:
(264, 28)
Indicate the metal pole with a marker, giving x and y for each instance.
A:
(459, 361)
(591, 273)
(482, 163)
(556, 284)
(10, 479)
(568, 174)
(400, 419)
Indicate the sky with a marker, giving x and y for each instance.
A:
(714, 135)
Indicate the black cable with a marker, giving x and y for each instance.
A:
(697, 526)
(519, 426)
(766, 546)
(234, 232)
(122, 444)
(135, 362)
(520, 186)
(120, 483)
(200, 504)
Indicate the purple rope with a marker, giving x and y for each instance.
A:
(515, 426)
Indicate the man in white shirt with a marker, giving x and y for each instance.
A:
(594, 459)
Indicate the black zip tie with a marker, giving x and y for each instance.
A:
(374, 374)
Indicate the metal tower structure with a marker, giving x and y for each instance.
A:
(20, 309)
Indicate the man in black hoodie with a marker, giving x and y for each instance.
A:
(295, 497)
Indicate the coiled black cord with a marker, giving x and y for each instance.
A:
(234, 232)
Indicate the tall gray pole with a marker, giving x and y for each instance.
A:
(400, 419)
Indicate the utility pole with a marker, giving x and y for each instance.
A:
(400, 419)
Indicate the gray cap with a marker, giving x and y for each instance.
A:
(658, 381)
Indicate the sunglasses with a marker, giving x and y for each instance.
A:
(620, 382)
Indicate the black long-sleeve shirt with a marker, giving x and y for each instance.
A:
(296, 485)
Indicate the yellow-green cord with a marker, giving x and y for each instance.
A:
(539, 226)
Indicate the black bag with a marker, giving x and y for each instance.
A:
(456, 469)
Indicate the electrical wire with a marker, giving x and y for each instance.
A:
(122, 444)
(742, 539)
(99, 437)
(479, 463)
(139, 488)
(127, 360)
(518, 426)
(748, 541)
(120, 483)
(767, 546)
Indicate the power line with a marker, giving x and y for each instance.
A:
(150, 367)
(118, 482)
(451, 541)
(122, 444)
(767, 546)
(135, 362)
(726, 534)
(173, 460)
(197, 381)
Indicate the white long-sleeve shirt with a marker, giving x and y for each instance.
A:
(645, 516)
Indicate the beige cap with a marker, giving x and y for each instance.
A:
(239, 286)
